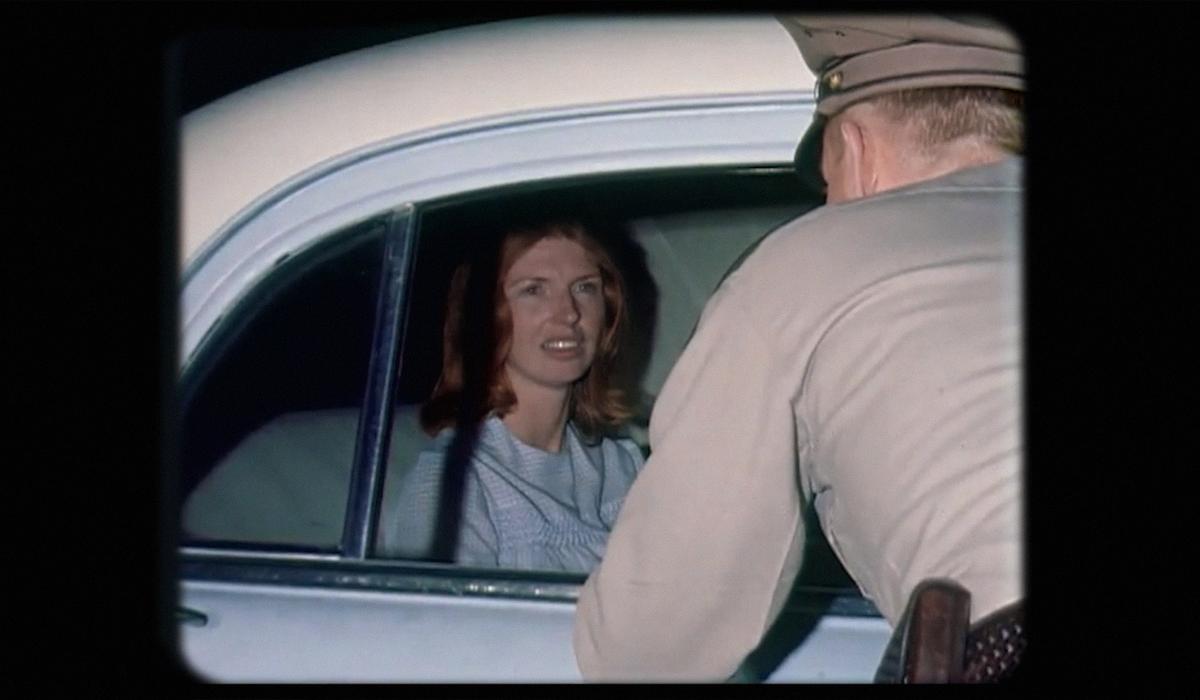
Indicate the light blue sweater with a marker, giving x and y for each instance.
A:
(523, 507)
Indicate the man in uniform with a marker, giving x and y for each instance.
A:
(865, 360)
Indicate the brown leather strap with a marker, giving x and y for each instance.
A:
(935, 636)
(933, 643)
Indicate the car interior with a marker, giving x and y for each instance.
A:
(270, 406)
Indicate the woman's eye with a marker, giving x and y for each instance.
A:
(589, 287)
(531, 290)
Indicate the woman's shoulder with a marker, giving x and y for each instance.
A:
(487, 443)
(611, 450)
(436, 445)
(431, 456)
(425, 474)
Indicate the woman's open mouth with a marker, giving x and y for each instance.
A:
(561, 344)
(563, 348)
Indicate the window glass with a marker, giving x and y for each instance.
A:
(271, 405)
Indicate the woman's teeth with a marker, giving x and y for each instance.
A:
(560, 344)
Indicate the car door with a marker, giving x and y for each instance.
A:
(309, 340)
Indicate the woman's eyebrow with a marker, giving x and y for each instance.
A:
(540, 278)
(526, 280)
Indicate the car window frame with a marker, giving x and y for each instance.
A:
(374, 434)
(401, 233)
(643, 136)
(308, 223)
(360, 569)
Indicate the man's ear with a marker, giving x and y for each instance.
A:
(858, 154)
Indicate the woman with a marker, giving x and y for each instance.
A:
(524, 453)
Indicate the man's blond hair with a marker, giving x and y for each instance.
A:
(945, 115)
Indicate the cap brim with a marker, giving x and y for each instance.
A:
(808, 155)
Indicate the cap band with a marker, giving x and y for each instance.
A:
(913, 66)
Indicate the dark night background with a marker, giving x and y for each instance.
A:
(214, 61)
(89, 208)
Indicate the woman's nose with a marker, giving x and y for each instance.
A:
(568, 308)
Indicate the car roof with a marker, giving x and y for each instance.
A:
(238, 148)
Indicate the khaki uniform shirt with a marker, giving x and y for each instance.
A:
(866, 359)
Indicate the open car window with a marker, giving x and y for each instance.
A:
(271, 409)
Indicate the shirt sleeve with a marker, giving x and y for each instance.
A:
(709, 539)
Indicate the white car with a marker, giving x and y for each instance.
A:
(322, 212)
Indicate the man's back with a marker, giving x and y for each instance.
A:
(867, 356)
(904, 339)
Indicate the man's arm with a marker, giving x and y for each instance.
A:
(708, 542)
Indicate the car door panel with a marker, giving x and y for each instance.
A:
(277, 633)
(271, 633)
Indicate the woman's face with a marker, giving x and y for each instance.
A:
(556, 298)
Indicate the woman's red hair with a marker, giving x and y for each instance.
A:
(596, 404)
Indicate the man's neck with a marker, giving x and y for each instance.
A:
(909, 171)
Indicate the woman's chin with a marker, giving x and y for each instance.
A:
(554, 374)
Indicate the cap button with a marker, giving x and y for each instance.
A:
(834, 80)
